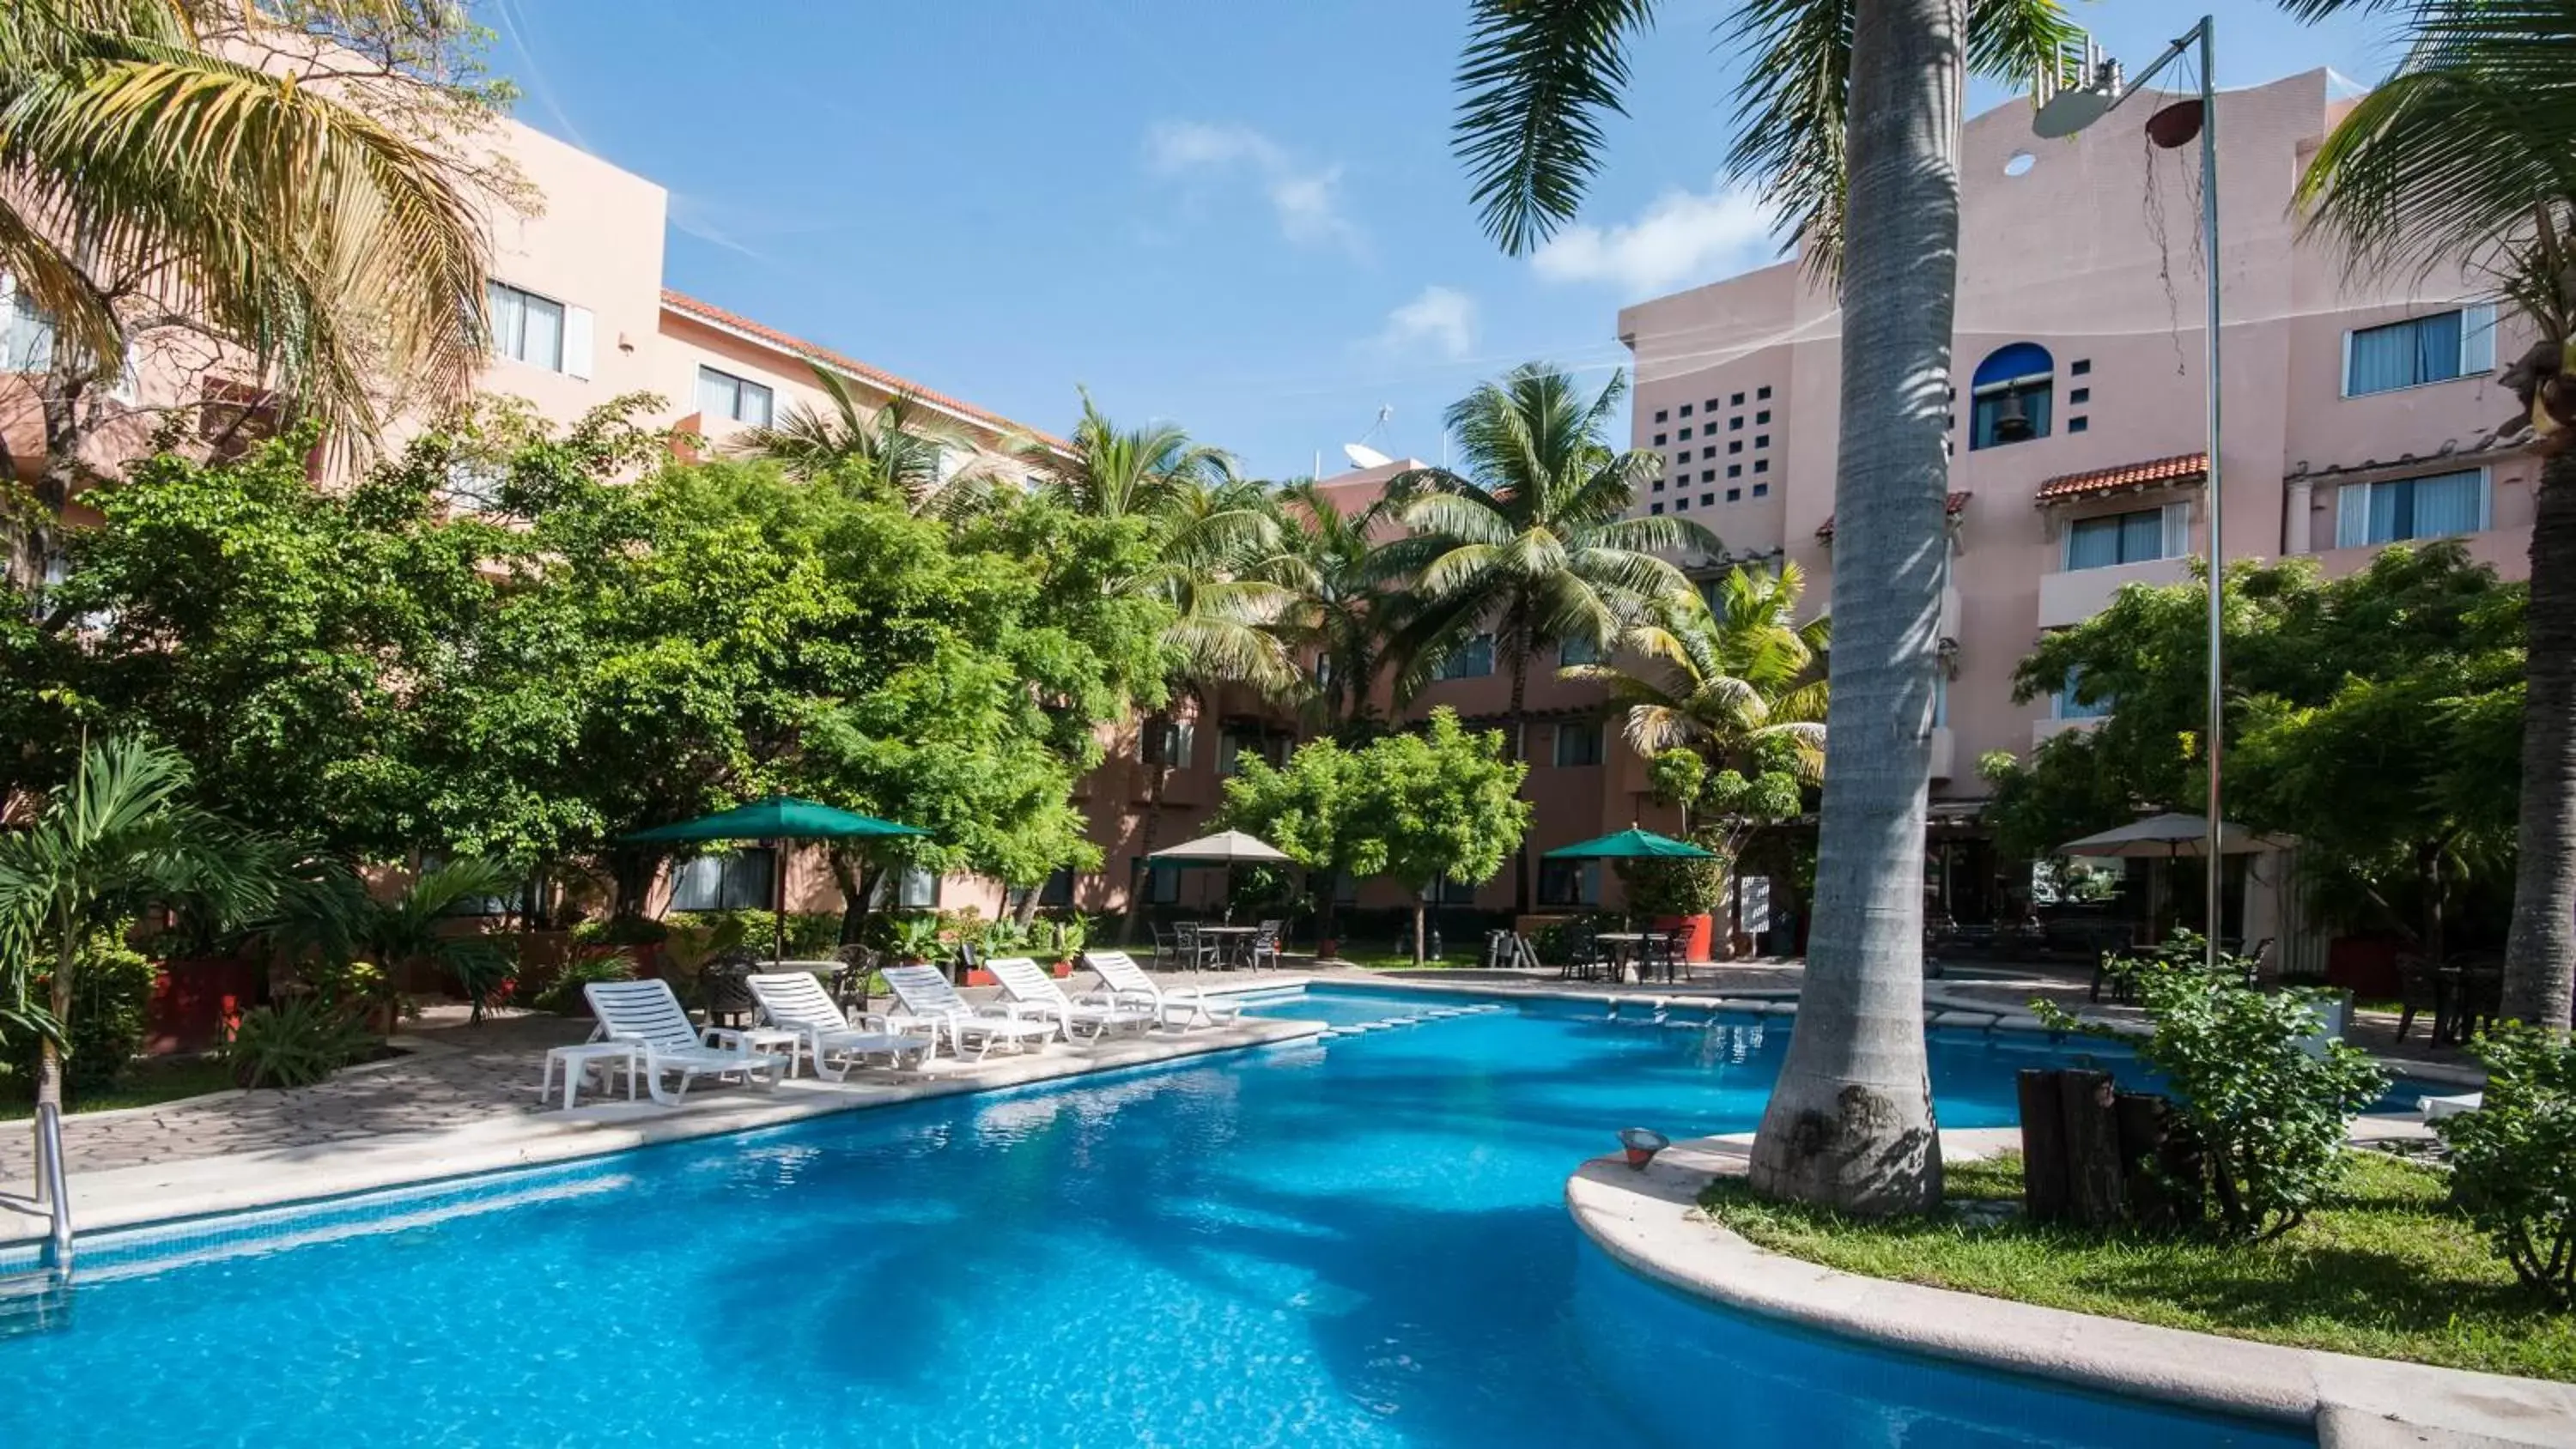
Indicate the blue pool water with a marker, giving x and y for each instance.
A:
(1358, 1242)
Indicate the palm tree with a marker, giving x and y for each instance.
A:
(1530, 544)
(889, 451)
(333, 249)
(1849, 122)
(331, 921)
(1214, 534)
(1721, 677)
(1339, 615)
(2466, 158)
(114, 840)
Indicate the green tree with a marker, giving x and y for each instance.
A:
(1441, 803)
(1340, 615)
(116, 839)
(1318, 810)
(2465, 159)
(1848, 119)
(1530, 542)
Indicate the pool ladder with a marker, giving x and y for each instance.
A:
(40, 1299)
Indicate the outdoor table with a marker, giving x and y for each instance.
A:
(576, 1061)
(1229, 940)
(754, 1041)
(1621, 944)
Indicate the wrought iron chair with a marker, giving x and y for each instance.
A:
(728, 994)
(1266, 939)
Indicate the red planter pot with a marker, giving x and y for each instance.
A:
(1696, 933)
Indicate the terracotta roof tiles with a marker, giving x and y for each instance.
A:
(2181, 470)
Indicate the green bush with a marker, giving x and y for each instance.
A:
(562, 995)
(620, 931)
(811, 935)
(111, 990)
(2268, 1100)
(295, 1043)
(2513, 1161)
(1672, 887)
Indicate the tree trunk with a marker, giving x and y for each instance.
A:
(1418, 910)
(1850, 1121)
(1139, 880)
(858, 891)
(2540, 946)
(49, 1057)
(1513, 741)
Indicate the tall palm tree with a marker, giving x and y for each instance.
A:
(1849, 122)
(334, 250)
(890, 449)
(2466, 159)
(1339, 614)
(116, 838)
(1531, 543)
(1214, 534)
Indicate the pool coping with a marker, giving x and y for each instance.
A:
(1650, 1223)
(158, 1194)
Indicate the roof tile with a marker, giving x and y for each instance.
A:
(2181, 470)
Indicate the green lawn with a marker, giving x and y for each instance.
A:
(1403, 961)
(149, 1081)
(2383, 1269)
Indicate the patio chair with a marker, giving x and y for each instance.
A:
(645, 1015)
(1028, 984)
(1660, 951)
(729, 1002)
(1195, 952)
(2476, 980)
(1167, 956)
(1123, 981)
(796, 1001)
(1266, 939)
(2419, 988)
(930, 999)
(1583, 955)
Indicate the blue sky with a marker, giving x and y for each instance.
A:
(1241, 218)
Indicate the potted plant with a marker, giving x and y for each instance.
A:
(1070, 935)
(914, 940)
(1678, 895)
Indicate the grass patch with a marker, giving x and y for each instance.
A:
(149, 1082)
(2384, 1268)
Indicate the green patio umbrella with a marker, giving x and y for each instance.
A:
(778, 817)
(1631, 844)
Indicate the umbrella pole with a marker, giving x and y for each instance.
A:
(778, 917)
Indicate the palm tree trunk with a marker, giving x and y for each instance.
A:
(1850, 1121)
(49, 1057)
(2540, 945)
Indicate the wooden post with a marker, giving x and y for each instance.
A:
(2092, 1148)
(2043, 1147)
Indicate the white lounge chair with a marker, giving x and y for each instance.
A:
(648, 1015)
(795, 1001)
(1029, 985)
(1123, 982)
(929, 1000)
(2434, 1109)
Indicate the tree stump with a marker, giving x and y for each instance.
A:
(2094, 1178)
(2043, 1147)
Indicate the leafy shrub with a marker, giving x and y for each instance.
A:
(1672, 887)
(811, 935)
(2268, 1099)
(295, 1043)
(563, 997)
(2513, 1161)
(620, 931)
(111, 990)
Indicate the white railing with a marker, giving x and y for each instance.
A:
(51, 1192)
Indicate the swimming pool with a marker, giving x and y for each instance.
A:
(1354, 1242)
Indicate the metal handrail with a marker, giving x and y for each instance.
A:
(50, 1188)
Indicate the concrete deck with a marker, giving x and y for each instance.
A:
(1650, 1221)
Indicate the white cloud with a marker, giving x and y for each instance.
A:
(1682, 238)
(1306, 198)
(1444, 318)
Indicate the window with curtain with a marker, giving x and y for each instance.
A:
(918, 890)
(1580, 651)
(2009, 396)
(1471, 660)
(2118, 538)
(525, 326)
(736, 881)
(29, 343)
(2419, 350)
(2068, 707)
(1578, 742)
(1569, 882)
(723, 395)
(2367, 514)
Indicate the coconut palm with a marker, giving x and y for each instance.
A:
(1848, 116)
(115, 839)
(1339, 615)
(1529, 542)
(1722, 676)
(891, 450)
(2466, 159)
(335, 251)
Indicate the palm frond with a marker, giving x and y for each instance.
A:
(1535, 80)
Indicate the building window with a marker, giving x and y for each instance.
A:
(1684, 435)
(29, 343)
(1569, 882)
(1738, 399)
(1736, 446)
(2079, 424)
(1762, 418)
(1762, 440)
(1660, 439)
(1708, 475)
(1659, 485)
(1761, 465)
(1735, 425)
(1940, 699)
(2068, 707)
(1235, 746)
(1707, 453)
(1734, 495)
(1057, 893)
(1734, 470)
(1711, 404)
(738, 880)
(526, 327)
(2081, 367)
(917, 889)
(1656, 509)
(1686, 409)
(2125, 538)
(1578, 742)
(1581, 651)
(2367, 514)
(2419, 350)
(1682, 457)
(1681, 505)
(1707, 500)
(1659, 417)
(1170, 742)
(1471, 660)
(1762, 394)
(1163, 884)
(1761, 490)
(2008, 400)
(723, 395)
(2078, 397)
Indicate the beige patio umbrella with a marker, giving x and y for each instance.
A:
(2173, 836)
(1226, 848)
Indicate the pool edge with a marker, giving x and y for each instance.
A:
(1647, 1223)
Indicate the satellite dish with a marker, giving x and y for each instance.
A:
(1364, 456)
(2068, 112)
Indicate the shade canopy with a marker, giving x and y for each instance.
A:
(2174, 835)
(779, 817)
(1226, 847)
(1631, 844)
